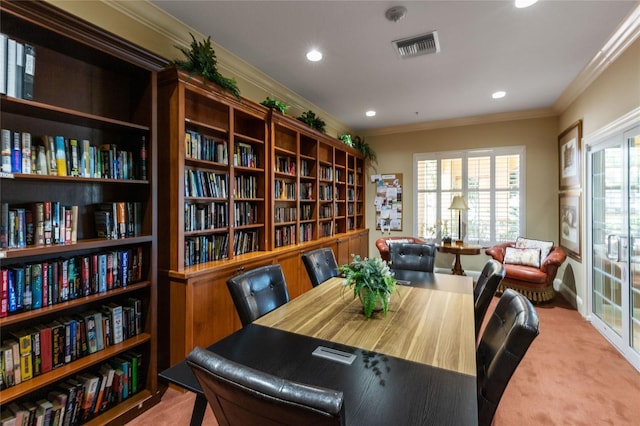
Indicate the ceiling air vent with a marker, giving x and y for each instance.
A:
(418, 45)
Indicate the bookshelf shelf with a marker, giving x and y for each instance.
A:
(97, 89)
(75, 303)
(77, 366)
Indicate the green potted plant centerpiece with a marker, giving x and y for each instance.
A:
(371, 280)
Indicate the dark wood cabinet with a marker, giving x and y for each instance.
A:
(88, 85)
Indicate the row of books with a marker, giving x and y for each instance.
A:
(118, 219)
(205, 248)
(246, 242)
(63, 156)
(245, 156)
(285, 235)
(30, 352)
(286, 165)
(200, 217)
(41, 284)
(306, 167)
(204, 147)
(78, 399)
(284, 190)
(306, 191)
(306, 232)
(325, 192)
(245, 213)
(284, 214)
(326, 229)
(39, 224)
(200, 183)
(246, 187)
(326, 211)
(17, 68)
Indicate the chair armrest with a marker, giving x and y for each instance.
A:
(556, 257)
(497, 251)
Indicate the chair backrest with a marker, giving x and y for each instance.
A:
(512, 327)
(258, 291)
(486, 286)
(321, 265)
(242, 396)
(412, 256)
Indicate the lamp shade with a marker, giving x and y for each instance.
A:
(458, 203)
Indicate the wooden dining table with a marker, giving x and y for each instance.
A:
(413, 366)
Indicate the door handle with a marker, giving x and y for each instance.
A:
(613, 243)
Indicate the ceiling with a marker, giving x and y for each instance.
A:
(533, 54)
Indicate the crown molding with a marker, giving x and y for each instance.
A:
(626, 33)
(178, 34)
(464, 121)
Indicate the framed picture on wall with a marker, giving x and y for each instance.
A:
(570, 156)
(570, 224)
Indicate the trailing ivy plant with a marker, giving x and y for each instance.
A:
(201, 59)
(359, 144)
(272, 103)
(310, 118)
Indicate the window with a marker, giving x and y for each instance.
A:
(492, 183)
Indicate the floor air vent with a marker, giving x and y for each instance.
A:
(418, 45)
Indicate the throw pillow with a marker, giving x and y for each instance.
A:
(544, 246)
(522, 256)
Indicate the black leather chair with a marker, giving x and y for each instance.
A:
(512, 327)
(321, 265)
(243, 396)
(412, 256)
(258, 291)
(486, 286)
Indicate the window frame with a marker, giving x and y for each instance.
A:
(464, 155)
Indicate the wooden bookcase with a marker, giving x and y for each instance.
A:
(325, 177)
(275, 197)
(88, 84)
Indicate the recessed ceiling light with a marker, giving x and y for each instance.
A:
(499, 94)
(314, 55)
(370, 113)
(520, 4)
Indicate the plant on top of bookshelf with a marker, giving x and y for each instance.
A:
(358, 143)
(312, 120)
(346, 139)
(201, 59)
(272, 103)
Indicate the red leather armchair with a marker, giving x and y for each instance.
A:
(536, 284)
(382, 244)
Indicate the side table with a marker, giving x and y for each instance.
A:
(459, 249)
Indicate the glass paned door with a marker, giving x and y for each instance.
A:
(614, 170)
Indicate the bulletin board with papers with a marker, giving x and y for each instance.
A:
(388, 201)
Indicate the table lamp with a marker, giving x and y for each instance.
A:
(458, 203)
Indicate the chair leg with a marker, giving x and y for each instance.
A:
(199, 408)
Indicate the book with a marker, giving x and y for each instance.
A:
(60, 398)
(3, 63)
(91, 332)
(21, 414)
(4, 293)
(29, 71)
(7, 418)
(36, 352)
(50, 150)
(75, 157)
(70, 390)
(8, 369)
(19, 69)
(61, 156)
(46, 347)
(36, 285)
(57, 344)
(12, 76)
(15, 346)
(109, 371)
(115, 315)
(26, 152)
(6, 140)
(91, 383)
(135, 359)
(100, 343)
(16, 152)
(44, 409)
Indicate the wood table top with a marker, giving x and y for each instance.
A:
(425, 325)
